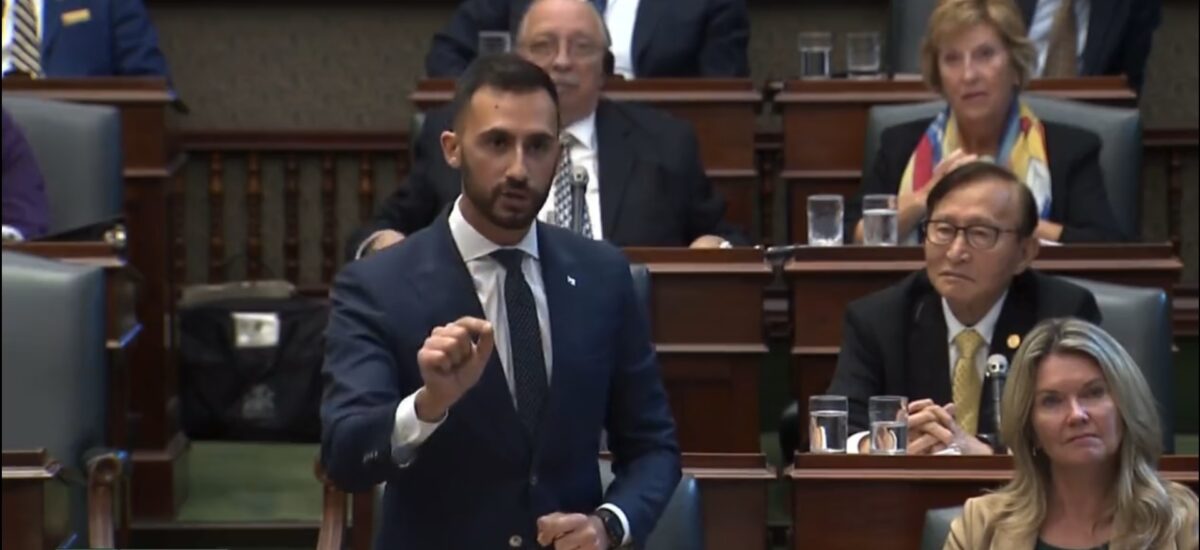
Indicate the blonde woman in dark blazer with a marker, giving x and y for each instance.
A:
(1085, 438)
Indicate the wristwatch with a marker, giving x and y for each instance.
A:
(612, 526)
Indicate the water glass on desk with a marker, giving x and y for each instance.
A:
(494, 42)
(862, 54)
(825, 220)
(880, 221)
(815, 51)
(827, 419)
(889, 424)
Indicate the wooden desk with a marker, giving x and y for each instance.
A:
(824, 280)
(825, 128)
(160, 482)
(862, 501)
(722, 111)
(706, 318)
(36, 507)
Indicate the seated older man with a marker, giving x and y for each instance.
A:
(645, 184)
(928, 337)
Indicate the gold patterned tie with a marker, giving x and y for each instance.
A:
(25, 51)
(967, 384)
(1062, 50)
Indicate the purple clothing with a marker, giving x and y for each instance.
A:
(25, 207)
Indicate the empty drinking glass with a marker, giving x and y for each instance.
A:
(880, 223)
(889, 424)
(493, 42)
(825, 220)
(862, 54)
(815, 48)
(827, 418)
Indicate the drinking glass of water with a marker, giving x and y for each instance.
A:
(880, 223)
(825, 220)
(493, 42)
(862, 54)
(815, 48)
(889, 424)
(827, 417)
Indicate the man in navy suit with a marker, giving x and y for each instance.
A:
(473, 366)
(650, 38)
(80, 38)
(646, 184)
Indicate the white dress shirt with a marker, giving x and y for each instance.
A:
(584, 153)
(1042, 23)
(8, 30)
(620, 16)
(488, 275)
(986, 327)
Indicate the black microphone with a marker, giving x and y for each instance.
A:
(994, 378)
(579, 182)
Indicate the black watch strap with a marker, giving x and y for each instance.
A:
(612, 527)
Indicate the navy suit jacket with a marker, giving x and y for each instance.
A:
(653, 190)
(115, 39)
(1119, 36)
(25, 206)
(479, 479)
(671, 38)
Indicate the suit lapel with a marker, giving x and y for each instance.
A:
(928, 352)
(1104, 14)
(616, 161)
(1017, 316)
(445, 282)
(558, 273)
(52, 11)
(648, 14)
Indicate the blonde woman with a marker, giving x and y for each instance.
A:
(1085, 438)
(977, 57)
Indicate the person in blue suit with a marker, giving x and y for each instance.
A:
(81, 38)
(650, 38)
(473, 366)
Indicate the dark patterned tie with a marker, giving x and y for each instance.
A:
(525, 341)
(1061, 58)
(564, 192)
(26, 51)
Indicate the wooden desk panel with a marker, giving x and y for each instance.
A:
(159, 483)
(858, 501)
(36, 511)
(825, 128)
(825, 280)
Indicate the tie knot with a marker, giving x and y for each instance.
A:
(968, 342)
(510, 258)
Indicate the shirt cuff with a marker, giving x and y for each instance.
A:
(620, 517)
(854, 441)
(11, 233)
(366, 244)
(410, 431)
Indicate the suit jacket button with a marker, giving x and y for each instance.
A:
(533, 480)
(515, 541)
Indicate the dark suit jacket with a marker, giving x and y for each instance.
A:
(115, 39)
(671, 38)
(1119, 36)
(653, 191)
(25, 207)
(479, 479)
(1078, 199)
(894, 340)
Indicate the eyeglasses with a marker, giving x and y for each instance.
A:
(545, 49)
(979, 237)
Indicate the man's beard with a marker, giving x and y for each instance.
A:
(486, 202)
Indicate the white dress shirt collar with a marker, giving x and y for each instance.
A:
(986, 326)
(473, 245)
(584, 131)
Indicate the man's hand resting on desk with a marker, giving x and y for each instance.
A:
(571, 532)
(385, 238)
(451, 362)
(932, 428)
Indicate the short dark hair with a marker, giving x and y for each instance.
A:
(980, 170)
(505, 72)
